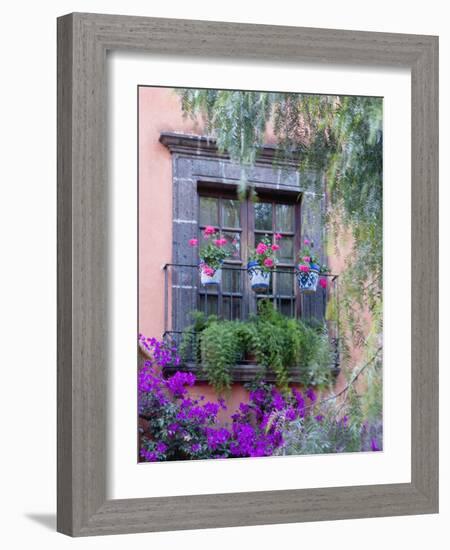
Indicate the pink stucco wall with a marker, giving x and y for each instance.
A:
(159, 110)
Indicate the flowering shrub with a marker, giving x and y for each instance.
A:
(177, 426)
(181, 427)
(212, 254)
(308, 261)
(265, 253)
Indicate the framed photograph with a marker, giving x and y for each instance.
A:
(247, 274)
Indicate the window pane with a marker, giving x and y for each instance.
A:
(263, 216)
(233, 244)
(286, 252)
(231, 308)
(209, 211)
(231, 213)
(285, 283)
(284, 216)
(261, 236)
(208, 304)
(287, 307)
(231, 280)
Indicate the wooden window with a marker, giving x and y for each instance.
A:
(244, 224)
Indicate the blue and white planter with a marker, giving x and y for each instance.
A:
(308, 280)
(215, 279)
(259, 279)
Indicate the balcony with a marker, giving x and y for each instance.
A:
(234, 300)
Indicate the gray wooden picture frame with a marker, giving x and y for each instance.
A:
(83, 41)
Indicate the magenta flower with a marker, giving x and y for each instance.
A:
(323, 282)
(268, 262)
(208, 271)
(209, 230)
(303, 268)
(261, 248)
(306, 259)
(193, 242)
(278, 237)
(220, 242)
(275, 247)
(306, 241)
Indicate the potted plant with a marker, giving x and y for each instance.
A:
(262, 260)
(310, 269)
(212, 256)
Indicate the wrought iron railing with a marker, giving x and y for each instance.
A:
(233, 299)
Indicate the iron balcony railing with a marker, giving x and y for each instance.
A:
(234, 299)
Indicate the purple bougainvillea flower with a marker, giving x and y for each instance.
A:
(277, 400)
(300, 402)
(319, 417)
(374, 444)
(291, 414)
(161, 447)
(311, 395)
(222, 404)
(149, 456)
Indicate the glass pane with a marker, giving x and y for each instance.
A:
(231, 308)
(285, 283)
(231, 279)
(286, 252)
(233, 244)
(208, 304)
(263, 216)
(284, 218)
(260, 236)
(231, 213)
(209, 211)
(287, 307)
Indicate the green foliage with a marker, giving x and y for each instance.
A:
(339, 135)
(278, 343)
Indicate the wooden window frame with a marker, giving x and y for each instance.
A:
(248, 234)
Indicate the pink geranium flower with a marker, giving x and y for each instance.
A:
(306, 241)
(209, 271)
(261, 248)
(278, 237)
(220, 242)
(268, 262)
(304, 268)
(306, 259)
(209, 230)
(275, 247)
(323, 282)
(193, 242)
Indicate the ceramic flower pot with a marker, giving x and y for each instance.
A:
(259, 279)
(208, 278)
(307, 280)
